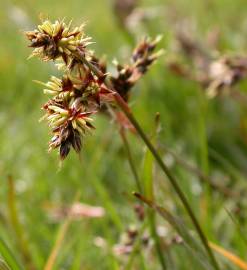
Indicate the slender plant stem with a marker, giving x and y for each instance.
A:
(151, 214)
(130, 159)
(8, 257)
(59, 239)
(125, 108)
(55, 251)
(17, 226)
(157, 242)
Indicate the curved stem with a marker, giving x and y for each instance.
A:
(125, 108)
(170, 177)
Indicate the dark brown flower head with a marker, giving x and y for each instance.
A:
(100, 63)
(53, 40)
(69, 123)
(74, 99)
(143, 55)
(142, 58)
(122, 82)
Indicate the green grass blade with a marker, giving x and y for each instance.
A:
(148, 181)
(8, 256)
(3, 265)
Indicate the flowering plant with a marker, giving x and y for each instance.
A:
(86, 88)
(81, 91)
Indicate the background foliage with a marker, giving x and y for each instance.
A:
(209, 134)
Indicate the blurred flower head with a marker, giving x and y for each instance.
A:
(226, 72)
(217, 74)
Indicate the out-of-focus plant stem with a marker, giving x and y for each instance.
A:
(130, 159)
(203, 177)
(148, 179)
(18, 229)
(59, 240)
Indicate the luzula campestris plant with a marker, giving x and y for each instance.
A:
(80, 93)
(83, 89)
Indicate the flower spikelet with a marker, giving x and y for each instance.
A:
(73, 100)
(53, 40)
(143, 57)
(69, 123)
(58, 88)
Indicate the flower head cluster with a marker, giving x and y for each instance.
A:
(53, 40)
(80, 92)
(73, 101)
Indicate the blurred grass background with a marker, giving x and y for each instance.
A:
(210, 134)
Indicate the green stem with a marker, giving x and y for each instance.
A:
(130, 159)
(124, 107)
(170, 177)
(62, 232)
(151, 215)
(17, 226)
(157, 242)
(8, 256)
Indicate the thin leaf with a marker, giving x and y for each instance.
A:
(148, 180)
(238, 227)
(59, 241)
(17, 226)
(3, 265)
(230, 256)
(8, 257)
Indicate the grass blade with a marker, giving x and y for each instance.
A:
(130, 159)
(238, 227)
(147, 177)
(8, 257)
(59, 241)
(230, 256)
(3, 265)
(17, 226)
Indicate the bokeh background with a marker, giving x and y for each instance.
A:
(209, 134)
